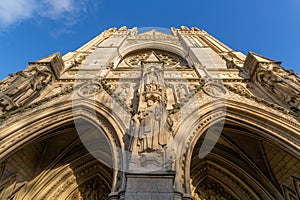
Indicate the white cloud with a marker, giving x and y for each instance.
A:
(15, 11)
(11, 11)
(60, 6)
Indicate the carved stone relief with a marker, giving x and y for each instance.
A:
(170, 59)
(122, 92)
(232, 62)
(76, 61)
(90, 89)
(284, 84)
(241, 88)
(150, 117)
(135, 38)
(156, 91)
(94, 189)
(149, 131)
(212, 191)
(181, 93)
(214, 90)
(21, 87)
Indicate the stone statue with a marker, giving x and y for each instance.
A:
(153, 76)
(149, 128)
(18, 89)
(282, 83)
(152, 122)
(149, 122)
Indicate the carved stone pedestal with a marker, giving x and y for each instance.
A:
(156, 186)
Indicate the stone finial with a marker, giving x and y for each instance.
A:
(195, 29)
(184, 28)
(123, 28)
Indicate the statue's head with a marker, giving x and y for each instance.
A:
(150, 103)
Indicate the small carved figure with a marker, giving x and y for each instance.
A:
(181, 92)
(151, 77)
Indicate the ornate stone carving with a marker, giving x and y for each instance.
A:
(21, 87)
(170, 60)
(150, 36)
(214, 89)
(159, 89)
(150, 128)
(108, 32)
(241, 89)
(232, 61)
(282, 83)
(94, 189)
(90, 89)
(149, 120)
(121, 91)
(123, 28)
(212, 191)
(181, 93)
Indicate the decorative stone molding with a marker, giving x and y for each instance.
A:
(283, 84)
(239, 188)
(21, 88)
(89, 89)
(292, 194)
(214, 90)
(212, 191)
(247, 95)
(54, 61)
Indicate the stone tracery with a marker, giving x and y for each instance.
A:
(170, 59)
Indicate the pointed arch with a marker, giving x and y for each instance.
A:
(265, 124)
(164, 46)
(40, 124)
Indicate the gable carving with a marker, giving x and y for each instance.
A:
(22, 87)
(282, 83)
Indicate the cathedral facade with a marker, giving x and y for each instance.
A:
(150, 114)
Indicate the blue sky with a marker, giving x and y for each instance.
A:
(32, 29)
